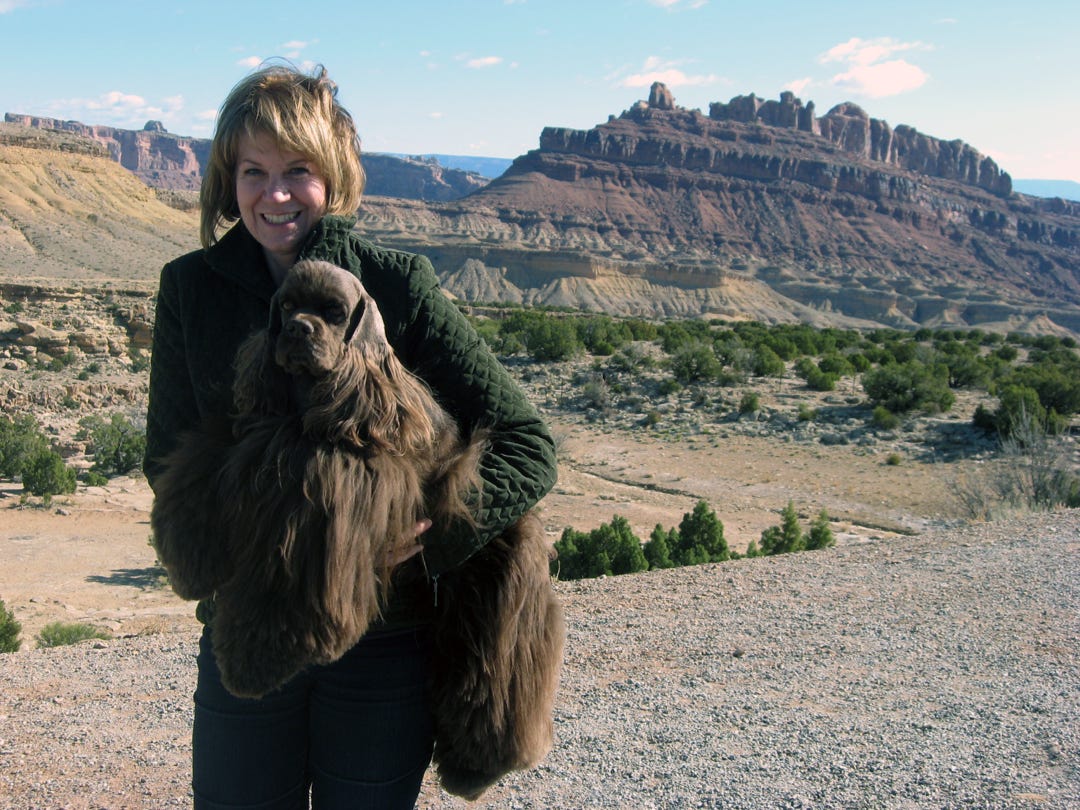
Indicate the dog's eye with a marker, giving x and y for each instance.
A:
(287, 306)
(335, 313)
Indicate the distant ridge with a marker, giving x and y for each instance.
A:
(167, 161)
(760, 210)
(489, 167)
(1065, 189)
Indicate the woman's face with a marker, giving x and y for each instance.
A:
(281, 195)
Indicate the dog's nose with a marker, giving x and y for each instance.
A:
(298, 328)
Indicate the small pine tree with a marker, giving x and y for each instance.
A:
(658, 549)
(608, 550)
(821, 535)
(770, 541)
(701, 537)
(785, 538)
(791, 533)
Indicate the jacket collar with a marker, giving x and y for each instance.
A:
(239, 258)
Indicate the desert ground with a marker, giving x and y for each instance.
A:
(105, 724)
(87, 557)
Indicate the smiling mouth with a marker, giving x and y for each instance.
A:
(281, 219)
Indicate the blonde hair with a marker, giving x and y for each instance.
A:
(302, 114)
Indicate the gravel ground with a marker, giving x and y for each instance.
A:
(939, 671)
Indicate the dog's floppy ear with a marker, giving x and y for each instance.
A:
(366, 324)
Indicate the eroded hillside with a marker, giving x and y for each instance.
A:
(71, 216)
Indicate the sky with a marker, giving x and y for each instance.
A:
(484, 77)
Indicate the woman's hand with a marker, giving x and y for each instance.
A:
(409, 552)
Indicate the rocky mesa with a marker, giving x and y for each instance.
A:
(759, 209)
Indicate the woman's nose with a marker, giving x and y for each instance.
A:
(277, 188)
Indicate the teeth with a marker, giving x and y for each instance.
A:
(281, 219)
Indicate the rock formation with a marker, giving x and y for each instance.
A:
(175, 163)
(759, 209)
(161, 159)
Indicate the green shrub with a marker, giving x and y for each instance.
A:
(699, 538)
(1019, 410)
(603, 335)
(806, 413)
(9, 630)
(695, 362)
(45, 474)
(20, 440)
(893, 459)
(608, 550)
(669, 386)
(820, 535)
(61, 634)
(789, 536)
(658, 548)
(750, 402)
(884, 419)
(785, 538)
(767, 363)
(909, 386)
(95, 479)
(117, 445)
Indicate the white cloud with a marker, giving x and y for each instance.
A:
(295, 45)
(116, 108)
(871, 72)
(882, 80)
(656, 69)
(798, 86)
(206, 115)
(250, 61)
(7, 6)
(673, 5)
(116, 101)
(484, 62)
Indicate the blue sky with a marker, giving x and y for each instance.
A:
(483, 77)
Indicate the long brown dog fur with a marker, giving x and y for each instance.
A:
(291, 517)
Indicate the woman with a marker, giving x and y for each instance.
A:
(284, 172)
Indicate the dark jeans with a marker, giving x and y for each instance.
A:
(356, 732)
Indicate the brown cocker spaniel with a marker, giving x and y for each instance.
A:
(293, 516)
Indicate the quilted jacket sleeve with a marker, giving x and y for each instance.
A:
(470, 382)
(172, 397)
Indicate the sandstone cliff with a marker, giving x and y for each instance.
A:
(70, 215)
(759, 210)
(841, 218)
(176, 163)
(160, 158)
